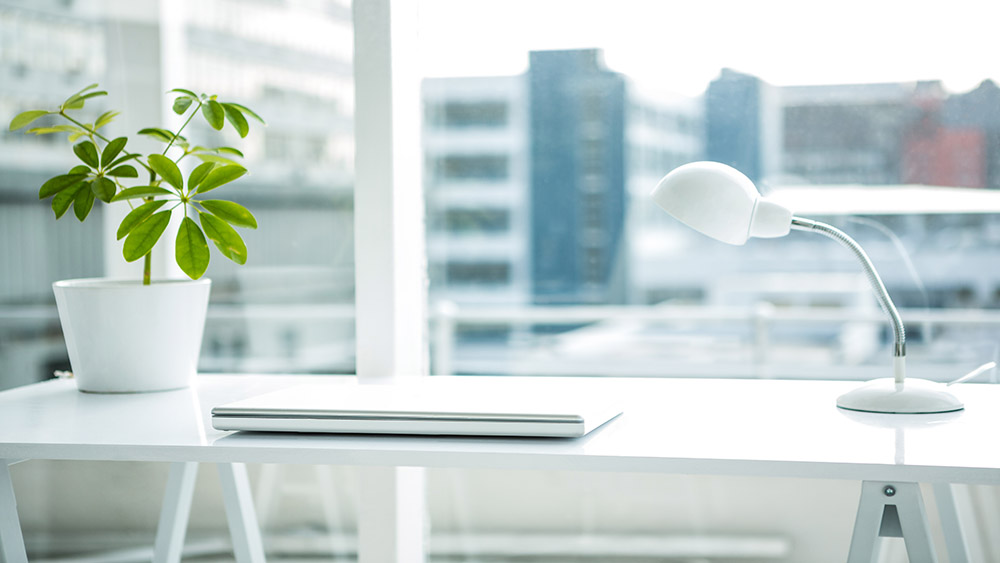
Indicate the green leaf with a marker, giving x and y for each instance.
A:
(229, 150)
(104, 189)
(157, 133)
(235, 117)
(232, 213)
(80, 169)
(22, 119)
(57, 129)
(140, 192)
(112, 149)
(216, 158)
(182, 104)
(65, 198)
(87, 152)
(124, 171)
(74, 101)
(249, 112)
(214, 114)
(144, 236)
(216, 150)
(167, 169)
(221, 175)
(183, 91)
(123, 158)
(84, 89)
(93, 95)
(138, 215)
(191, 250)
(59, 183)
(198, 174)
(160, 134)
(226, 239)
(83, 202)
(105, 118)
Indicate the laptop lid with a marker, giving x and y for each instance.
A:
(429, 408)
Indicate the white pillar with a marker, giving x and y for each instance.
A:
(145, 52)
(390, 264)
(391, 273)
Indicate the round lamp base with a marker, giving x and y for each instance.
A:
(914, 396)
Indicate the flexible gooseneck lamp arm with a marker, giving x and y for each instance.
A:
(899, 333)
(720, 202)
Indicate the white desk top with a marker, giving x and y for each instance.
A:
(686, 426)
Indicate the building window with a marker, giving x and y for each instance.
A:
(490, 168)
(468, 114)
(477, 220)
(477, 273)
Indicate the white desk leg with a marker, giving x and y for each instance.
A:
(243, 527)
(891, 510)
(391, 515)
(954, 539)
(175, 512)
(865, 540)
(11, 540)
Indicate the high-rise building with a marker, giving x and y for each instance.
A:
(577, 178)
(743, 124)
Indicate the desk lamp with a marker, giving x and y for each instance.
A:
(719, 201)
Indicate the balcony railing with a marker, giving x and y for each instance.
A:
(643, 341)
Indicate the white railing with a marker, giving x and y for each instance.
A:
(760, 322)
(531, 353)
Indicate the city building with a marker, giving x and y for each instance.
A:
(536, 183)
(743, 124)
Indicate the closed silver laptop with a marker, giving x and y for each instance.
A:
(430, 407)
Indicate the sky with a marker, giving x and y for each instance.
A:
(680, 45)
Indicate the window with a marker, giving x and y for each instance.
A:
(490, 273)
(459, 115)
(606, 117)
(476, 220)
(458, 168)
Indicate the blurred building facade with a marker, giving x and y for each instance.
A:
(531, 179)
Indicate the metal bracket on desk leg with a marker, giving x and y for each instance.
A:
(243, 527)
(891, 510)
(11, 541)
(175, 512)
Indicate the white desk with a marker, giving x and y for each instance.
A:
(679, 426)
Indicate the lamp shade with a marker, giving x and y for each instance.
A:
(719, 201)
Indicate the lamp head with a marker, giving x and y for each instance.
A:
(719, 201)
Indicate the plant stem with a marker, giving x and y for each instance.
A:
(85, 128)
(178, 134)
(147, 260)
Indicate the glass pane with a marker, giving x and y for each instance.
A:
(844, 111)
(290, 308)
(542, 147)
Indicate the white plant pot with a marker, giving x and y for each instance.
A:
(124, 337)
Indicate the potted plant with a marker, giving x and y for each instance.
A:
(145, 335)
